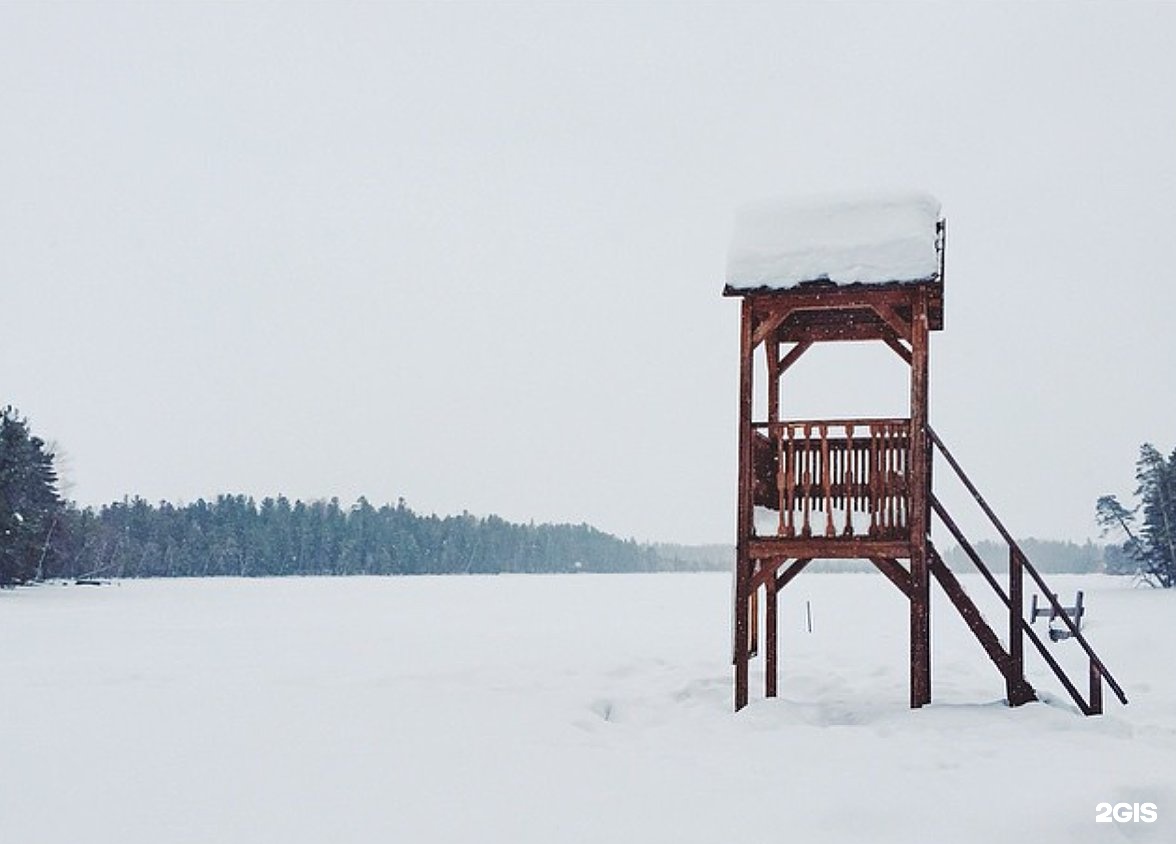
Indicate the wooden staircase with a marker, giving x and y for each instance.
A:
(1010, 661)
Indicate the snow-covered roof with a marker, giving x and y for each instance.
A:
(866, 239)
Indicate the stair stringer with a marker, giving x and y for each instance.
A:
(1018, 689)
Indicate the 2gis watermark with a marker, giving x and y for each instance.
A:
(1126, 813)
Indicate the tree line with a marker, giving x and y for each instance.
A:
(238, 536)
(42, 536)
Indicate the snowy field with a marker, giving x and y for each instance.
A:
(554, 709)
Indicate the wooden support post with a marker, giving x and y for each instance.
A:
(771, 633)
(772, 353)
(745, 513)
(919, 521)
(920, 629)
(1096, 703)
(1016, 676)
(752, 616)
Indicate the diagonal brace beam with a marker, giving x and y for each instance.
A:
(770, 323)
(890, 316)
(893, 570)
(768, 569)
(899, 347)
(793, 355)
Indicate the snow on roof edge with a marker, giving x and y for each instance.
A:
(865, 238)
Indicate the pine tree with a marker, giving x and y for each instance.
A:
(29, 504)
(1150, 527)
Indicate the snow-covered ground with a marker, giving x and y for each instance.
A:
(554, 709)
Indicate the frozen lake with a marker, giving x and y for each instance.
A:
(592, 708)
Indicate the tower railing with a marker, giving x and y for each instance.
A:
(834, 477)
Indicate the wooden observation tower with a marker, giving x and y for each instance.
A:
(856, 270)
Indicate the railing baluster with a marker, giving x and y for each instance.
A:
(886, 498)
(864, 479)
(904, 486)
(863, 475)
(888, 478)
(827, 481)
(781, 483)
(882, 470)
(847, 481)
(806, 480)
(892, 485)
(790, 480)
(875, 492)
(904, 476)
(892, 490)
(855, 479)
(835, 471)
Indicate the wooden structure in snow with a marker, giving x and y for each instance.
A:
(841, 270)
(1057, 633)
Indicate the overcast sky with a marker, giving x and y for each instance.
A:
(471, 254)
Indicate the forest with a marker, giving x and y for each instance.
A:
(45, 537)
(235, 535)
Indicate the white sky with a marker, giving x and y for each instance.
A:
(471, 254)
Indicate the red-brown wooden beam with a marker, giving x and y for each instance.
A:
(899, 349)
(863, 422)
(828, 298)
(1016, 613)
(752, 624)
(772, 362)
(1018, 689)
(893, 570)
(768, 323)
(822, 298)
(819, 547)
(920, 619)
(1096, 701)
(785, 577)
(889, 316)
(834, 333)
(793, 356)
(744, 517)
(771, 637)
(768, 568)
